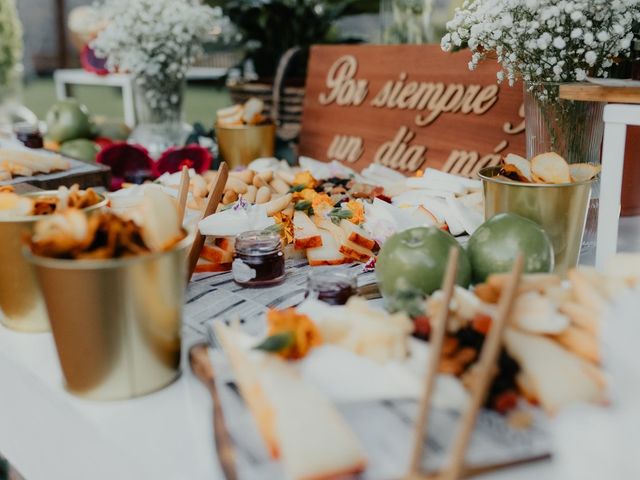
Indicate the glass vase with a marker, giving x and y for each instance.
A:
(12, 111)
(406, 21)
(160, 115)
(572, 129)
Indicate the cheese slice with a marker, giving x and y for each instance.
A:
(326, 254)
(299, 425)
(557, 377)
(305, 233)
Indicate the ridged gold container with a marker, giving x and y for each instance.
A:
(242, 144)
(561, 210)
(20, 299)
(116, 322)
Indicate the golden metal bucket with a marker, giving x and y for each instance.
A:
(242, 144)
(20, 298)
(559, 209)
(116, 322)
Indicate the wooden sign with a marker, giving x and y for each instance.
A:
(408, 107)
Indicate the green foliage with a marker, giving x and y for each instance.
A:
(277, 342)
(271, 27)
(10, 39)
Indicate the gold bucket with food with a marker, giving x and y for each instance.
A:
(244, 133)
(547, 190)
(114, 291)
(20, 299)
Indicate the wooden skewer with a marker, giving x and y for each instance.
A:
(435, 345)
(183, 193)
(212, 204)
(485, 372)
(202, 368)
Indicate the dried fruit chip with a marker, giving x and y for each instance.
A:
(550, 168)
(518, 165)
(581, 172)
(512, 173)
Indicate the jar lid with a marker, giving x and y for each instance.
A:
(25, 128)
(257, 242)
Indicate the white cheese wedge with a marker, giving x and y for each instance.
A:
(557, 377)
(327, 254)
(305, 233)
(299, 425)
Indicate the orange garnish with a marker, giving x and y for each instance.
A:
(357, 209)
(304, 178)
(308, 194)
(286, 224)
(306, 334)
(319, 200)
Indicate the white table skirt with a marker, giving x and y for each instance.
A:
(48, 434)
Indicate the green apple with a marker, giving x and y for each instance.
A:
(80, 149)
(67, 120)
(495, 245)
(413, 262)
(112, 129)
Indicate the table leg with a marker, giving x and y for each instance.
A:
(61, 87)
(610, 191)
(128, 99)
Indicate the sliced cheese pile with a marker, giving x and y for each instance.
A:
(298, 424)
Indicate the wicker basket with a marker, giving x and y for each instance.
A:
(282, 103)
(216, 57)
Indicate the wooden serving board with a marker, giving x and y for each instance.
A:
(385, 428)
(84, 174)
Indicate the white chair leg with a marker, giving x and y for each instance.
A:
(60, 86)
(128, 99)
(610, 191)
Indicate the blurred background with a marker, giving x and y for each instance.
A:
(249, 48)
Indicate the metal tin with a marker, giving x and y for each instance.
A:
(20, 299)
(560, 209)
(240, 145)
(116, 322)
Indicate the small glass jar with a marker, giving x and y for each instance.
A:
(331, 286)
(28, 135)
(258, 259)
(138, 177)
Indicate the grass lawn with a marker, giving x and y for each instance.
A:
(202, 99)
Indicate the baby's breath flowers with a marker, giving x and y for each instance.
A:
(156, 41)
(545, 40)
(10, 40)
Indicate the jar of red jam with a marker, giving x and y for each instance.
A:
(29, 135)
(258, 259)
(331, 286)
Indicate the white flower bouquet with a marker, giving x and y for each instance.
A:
(10, 40)
(156, 41)
(545, 40)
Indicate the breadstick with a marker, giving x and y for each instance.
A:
(286, 176)
(263, 195)
(279, 185)
(250, 196)
(279, 204)
(236, 185)
(230, 196)
(245, 176)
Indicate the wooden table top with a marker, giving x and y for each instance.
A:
(590, 92)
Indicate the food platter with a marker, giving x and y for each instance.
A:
(71, 171)
(376, 419)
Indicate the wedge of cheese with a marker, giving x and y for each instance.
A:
(299, 425)
(305, 233)
(327, 254)
(357, 235)
(348, 248)
(554, 375)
